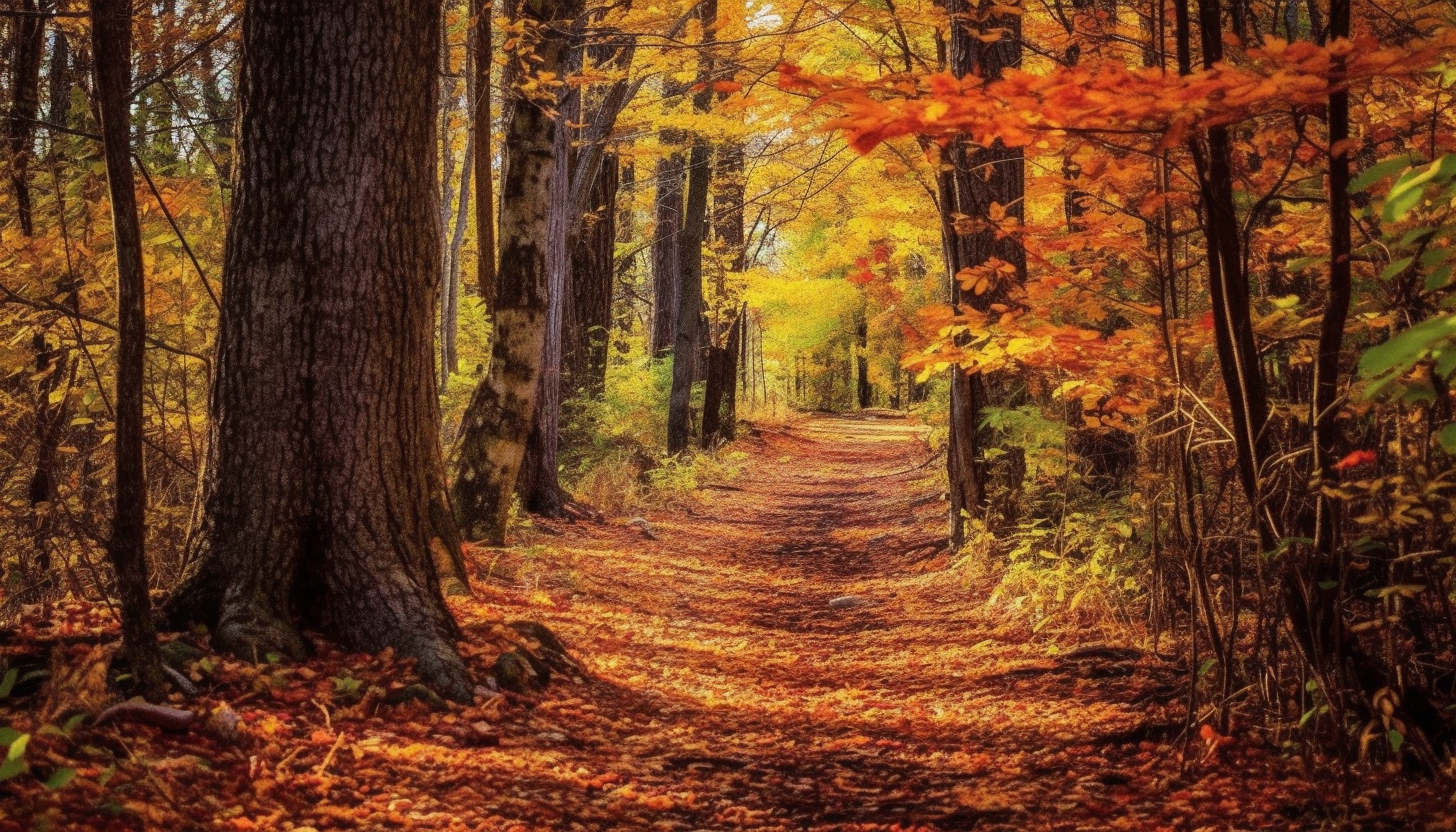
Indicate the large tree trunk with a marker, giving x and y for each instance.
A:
(499, 418)
(29, 41)
(324, 486)
(111, 51)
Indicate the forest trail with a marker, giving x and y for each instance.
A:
(728, 685)
(731, 690)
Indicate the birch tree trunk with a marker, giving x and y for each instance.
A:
(499, 418)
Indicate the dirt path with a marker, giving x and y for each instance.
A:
(729, 686)
(731, 690)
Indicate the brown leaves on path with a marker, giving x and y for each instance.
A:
(781, 656)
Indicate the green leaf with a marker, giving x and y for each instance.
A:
(1439, 278)
(1380, 170)
(60, 778)
(1390, 360)
(1208, 665)
(1397, 739)
(1411, 187)
(1447, 437)
(8, 735)
(8, 683)
(1328, 584)
(17, 747)
(1396, 268)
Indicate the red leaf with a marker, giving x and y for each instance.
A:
(1354, 459)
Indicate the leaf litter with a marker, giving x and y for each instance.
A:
(724, 683)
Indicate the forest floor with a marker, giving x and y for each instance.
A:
(788, 651)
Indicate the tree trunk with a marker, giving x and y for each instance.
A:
(666, 264)
(324, 491)
(689, 300)
(499, 418)
(537, 483)
(728, 195)
(976, 178)
(589, 303)
(29, 45)
(687, 364)
(485, 261)
(720, 395)
(111, 51)
(864, 393)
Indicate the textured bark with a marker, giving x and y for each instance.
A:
(324, 500)
(977, 176)
(29, 42)
(589, 303)
(537, 483)
(666, 265)
(688, 361)
(689, 301)
(728, 195)
(449, 292)
(53, 366)
(126, 549)
(499, 418)
(485, 264)
(719, 396)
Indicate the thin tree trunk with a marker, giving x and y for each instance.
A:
(485, 263)
(666, 264)
(111, 51)
(324, 498)
(29, 43)
(501, 412)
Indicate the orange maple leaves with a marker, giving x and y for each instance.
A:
(1106, 97)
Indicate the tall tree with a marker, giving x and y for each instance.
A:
(975, 178)
(111, 54)
(29, 41)
(322, 497)
(480, 129)
(688, 339)
(500, 415)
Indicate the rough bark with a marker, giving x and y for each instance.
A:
(719, 395)
(864, 393)
(29, 42)
(126, 549)
(975, 178)
(537, 483)
(324, 500)
(687, 363)
(666, 264)
(589, 303)
(689, 300)
(485, 262)
(499, 418)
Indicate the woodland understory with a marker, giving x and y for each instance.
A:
(839, 414)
